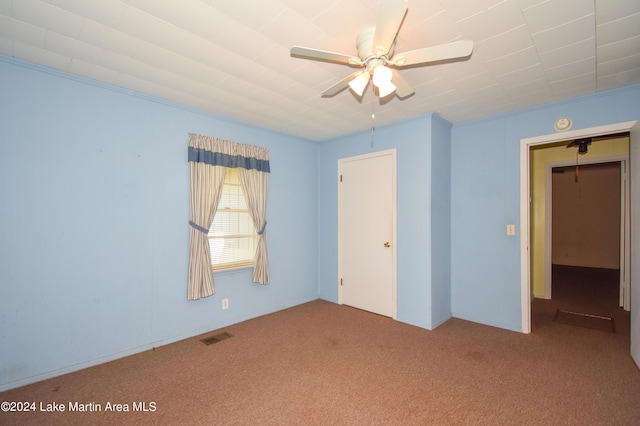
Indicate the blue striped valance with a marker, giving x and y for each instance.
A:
(200, 155)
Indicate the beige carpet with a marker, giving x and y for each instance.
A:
(325, 364)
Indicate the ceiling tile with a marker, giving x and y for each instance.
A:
(419, 12)
(513, 61)
(500, 45)
(289, 28)
(458, 72)
(613, 80)
(277, 58)
(73, 48)
(528, 86)
(525, 4)
(563, 35)
(254, 14)
(108, 38)
(143, 26)
(242, 40)
(534, 98)
(94, 71)
(309, 9)
(170, 61)
(620, 49)
(619, 65)
(197, 18)
(554, 13)
(461, 10)
(484, 83)
(495, 20)
(5, 7)
(437, 29)
(572, 91)
(576, 81)
(515, 78)
(43, 57)
(568, 54)
(565, 71)
(620, 29)
(345, 20)
(107, 12)
(611, 10)
(47, 16)
(22, 32)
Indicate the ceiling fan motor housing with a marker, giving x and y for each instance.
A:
(364, 44)
(582, 144)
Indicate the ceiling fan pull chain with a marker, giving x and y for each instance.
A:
(373, 113)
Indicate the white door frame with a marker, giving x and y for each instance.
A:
(625, 230)
(525, 197)
(394, 293)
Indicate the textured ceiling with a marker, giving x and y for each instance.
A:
(231, 57)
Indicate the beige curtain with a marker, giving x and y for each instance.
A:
(207, 181)
(208, 159)
(255, 184)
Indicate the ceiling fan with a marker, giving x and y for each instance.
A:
(582, 144)
(376, 54)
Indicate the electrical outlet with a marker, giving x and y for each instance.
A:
(225, 303)
(511, 229)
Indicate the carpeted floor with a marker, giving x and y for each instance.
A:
(326, 364)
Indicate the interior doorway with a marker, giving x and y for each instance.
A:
(585, 241)
(526, 250)
(586, 235)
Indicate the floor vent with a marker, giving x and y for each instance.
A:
(595, 322)
(217, 338)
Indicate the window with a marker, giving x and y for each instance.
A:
(232, 236)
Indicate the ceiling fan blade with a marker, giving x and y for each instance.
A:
(340, 86)
(390, 17)
(403, 88)
(457, 49)
(324, 55)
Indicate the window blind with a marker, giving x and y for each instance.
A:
(232, 235)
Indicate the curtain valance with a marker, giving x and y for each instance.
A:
(218, 152)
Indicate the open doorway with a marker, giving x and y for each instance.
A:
(586, 212)
(578, 231)
(531, 262)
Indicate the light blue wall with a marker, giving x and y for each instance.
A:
(94, 195)
(485, 197)
(440, 221)
(412, 141)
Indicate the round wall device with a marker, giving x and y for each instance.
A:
(563, 124)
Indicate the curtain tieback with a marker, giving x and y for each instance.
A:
(260, 232)
(198, 227)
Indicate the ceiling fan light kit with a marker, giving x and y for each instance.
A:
(360, 83)
(376, 49)
(382, 80)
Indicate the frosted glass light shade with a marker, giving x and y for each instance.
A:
(360, 83)
(386, 89)
(381, 76)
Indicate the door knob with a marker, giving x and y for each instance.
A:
(387, 244)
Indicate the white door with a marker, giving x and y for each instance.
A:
(634, 182)
(366, 240)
